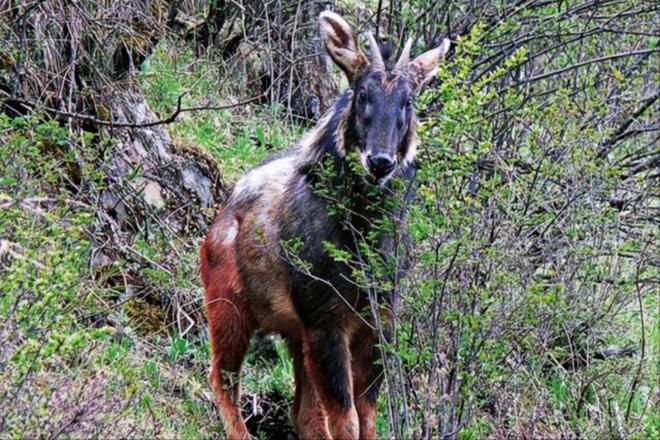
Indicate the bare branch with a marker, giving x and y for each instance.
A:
(115, 124)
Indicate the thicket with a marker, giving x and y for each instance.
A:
(529, 304)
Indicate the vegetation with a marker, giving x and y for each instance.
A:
(529, 308)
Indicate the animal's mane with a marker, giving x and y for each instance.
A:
(328, 136)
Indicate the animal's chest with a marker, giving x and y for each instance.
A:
(319, 231)
(320, 244)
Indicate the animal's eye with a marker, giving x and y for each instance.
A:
(409, 103)
(362, 97)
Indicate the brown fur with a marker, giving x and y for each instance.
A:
(307, 413)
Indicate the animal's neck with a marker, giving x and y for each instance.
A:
(329, 135)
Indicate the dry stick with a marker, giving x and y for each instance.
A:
(293, 54)
(638, 374)
(114, 124)
(10, 248)
(307, 272)
(526, 39)
(379, 11)
(391, 380)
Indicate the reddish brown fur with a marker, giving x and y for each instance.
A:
(362, 360)
(307, 413)
(343, 424)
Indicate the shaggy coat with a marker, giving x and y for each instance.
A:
(264, 261)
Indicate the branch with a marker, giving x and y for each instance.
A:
(108, 123)
(14, 250)
(587, 62)
(620, 133)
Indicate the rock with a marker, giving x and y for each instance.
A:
(153, 195)
(198, 184)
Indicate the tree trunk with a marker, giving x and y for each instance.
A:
(178, 182)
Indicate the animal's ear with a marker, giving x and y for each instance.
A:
(425, 66)
(341, 42)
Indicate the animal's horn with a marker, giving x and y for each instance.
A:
(376, 58)
(404, 59)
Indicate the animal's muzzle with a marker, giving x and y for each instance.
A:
(380, 165)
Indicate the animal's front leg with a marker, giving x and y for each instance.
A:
(327, 363)
(367, 378)
(307, 413)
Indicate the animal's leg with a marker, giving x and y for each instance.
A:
(327, 364)
(307, 413)
(230, 336)
(229, 331)
(367, 378)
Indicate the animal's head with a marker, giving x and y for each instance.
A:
(382, 115)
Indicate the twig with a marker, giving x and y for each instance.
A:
(10, 248)
(642, 355)
(147, 259)
(607, 144)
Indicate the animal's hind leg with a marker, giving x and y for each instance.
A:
(229, 331)
(307, 413)
(230, 336)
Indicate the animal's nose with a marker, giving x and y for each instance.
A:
(380, 165)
